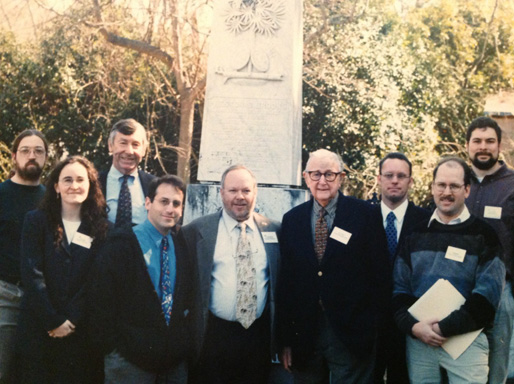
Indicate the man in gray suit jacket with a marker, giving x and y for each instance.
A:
(237, 254)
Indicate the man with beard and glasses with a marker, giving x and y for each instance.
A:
(18, 195)
(492, 199)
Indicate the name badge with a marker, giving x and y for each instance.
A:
(340, 235)
(82, 240)
(491, 212)
(269, 237)
(456, 254)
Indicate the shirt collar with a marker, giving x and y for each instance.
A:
(231, 223)
(399, 211)
(330, 208)
(152, 232)
(115, 174)
(464, 215)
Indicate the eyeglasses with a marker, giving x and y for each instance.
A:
(399, 176)
(26, 151)
(68, 181)
(441, 187)
(329, 176)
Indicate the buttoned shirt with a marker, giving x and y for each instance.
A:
(464, 215)
(399, 213)
(114, 180)
(223, 299)
(329, 215)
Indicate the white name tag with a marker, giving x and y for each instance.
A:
(455, 254)
(340, 235)
(82, 240)
(269, 237)
(491, 212)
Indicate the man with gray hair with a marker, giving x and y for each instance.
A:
(124, 186)
(332, 282)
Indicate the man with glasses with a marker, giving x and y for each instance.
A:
(461, 248)
(332, 281)
(18, 195)
(492, 198)
(397, 217)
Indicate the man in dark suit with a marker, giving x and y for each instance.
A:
(124, 186)
(237, 254)
(332, 281)
(397, 218)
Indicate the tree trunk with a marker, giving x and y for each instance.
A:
(187, 109)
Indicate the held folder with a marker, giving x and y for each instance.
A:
(438, 302)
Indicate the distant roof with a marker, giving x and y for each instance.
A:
(501, 104)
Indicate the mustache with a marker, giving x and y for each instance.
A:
(449, 198)
(483, 153)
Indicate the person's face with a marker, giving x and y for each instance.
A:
(166, 208)
(238, 194)
(30, 158)
(449, 203)
(483, 148)
(73, 185)
(322, 190)
(395, 181)
(128, 151)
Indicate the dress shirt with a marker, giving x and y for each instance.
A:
(464, 215)
(114, 180)
(399, 213)
(223, 283)
(70, 228)
(150, 239)
(329, 215)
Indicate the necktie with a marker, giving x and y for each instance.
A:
(320, 235)
(167, 297)
(246, 305)
(124, 212)
(391, 234)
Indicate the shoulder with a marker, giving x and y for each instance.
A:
(482, 228)
(201, 222)
(417, 211)
(146, 177)
(299, 210)
(349, 205)
(266, 224)
(36, 215)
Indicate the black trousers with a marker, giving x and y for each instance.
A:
(232, 354)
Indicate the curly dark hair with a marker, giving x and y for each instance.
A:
(93, 211)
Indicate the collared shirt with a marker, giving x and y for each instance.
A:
(329, 216)
(224, 282)
(464, 215)
(399, 213)
(150, 239)
(114, 180)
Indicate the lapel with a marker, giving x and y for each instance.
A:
(74, 249)
(272, 249)
(344, 219)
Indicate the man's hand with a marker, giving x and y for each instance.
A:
(428, 332)
(286, 357)
(62, 330)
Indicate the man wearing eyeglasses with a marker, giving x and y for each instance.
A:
(397, 217)
(18, 195)
(492, 199)
(461, 248)
(332, 281)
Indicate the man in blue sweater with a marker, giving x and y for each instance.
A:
(461, 248)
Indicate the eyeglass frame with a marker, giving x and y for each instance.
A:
(26, 151)
(399, 176)
(323, 174)
(453, 187)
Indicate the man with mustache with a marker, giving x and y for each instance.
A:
(18, 195)
(124, 186)
(492, 199)
(463, 249)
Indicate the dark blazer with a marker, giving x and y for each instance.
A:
(200, 237)
(349, 281)
(143, 176)
(126, 313)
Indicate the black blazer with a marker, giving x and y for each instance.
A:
(349, 281)
(143, 176)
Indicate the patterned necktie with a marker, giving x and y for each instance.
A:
(391, 234)
(124, 212)
(167, 297)
(246, 305)
(320, 235)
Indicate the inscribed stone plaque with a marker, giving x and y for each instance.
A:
(252, 112)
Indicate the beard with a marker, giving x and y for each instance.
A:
(484, 165)
(31, 172)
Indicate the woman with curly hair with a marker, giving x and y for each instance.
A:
(59, 244)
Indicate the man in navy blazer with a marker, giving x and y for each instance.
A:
(332, 281)
(127, 145)
(233, 348)
(395, 180)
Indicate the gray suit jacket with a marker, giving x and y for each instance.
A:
(200, 237)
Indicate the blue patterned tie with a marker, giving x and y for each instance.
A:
(391, 234)
(124, 211)
(167, 297)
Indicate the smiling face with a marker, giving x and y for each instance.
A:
(166, 208)
(322, 190)
(449, 204)
(30, 158)
(73, 185)
(238, 194)
(483, 148)
(395, 181)
(128, 150)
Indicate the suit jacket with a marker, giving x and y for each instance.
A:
(349, 281)
(200, 238)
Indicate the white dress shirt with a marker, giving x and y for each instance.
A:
(399, 212)
(464, 215)
(136, 195)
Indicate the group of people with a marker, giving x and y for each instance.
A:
(100, 283)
